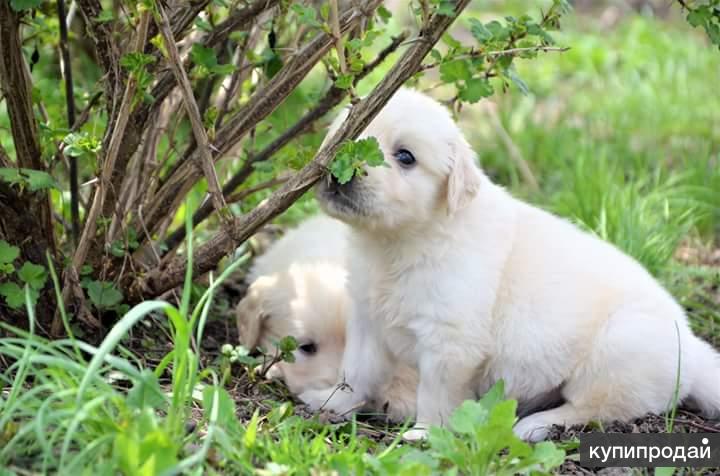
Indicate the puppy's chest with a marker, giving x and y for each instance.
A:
(398, 298)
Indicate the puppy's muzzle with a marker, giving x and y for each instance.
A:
(342, 198)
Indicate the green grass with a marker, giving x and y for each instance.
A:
(68, 407)
(622, 134)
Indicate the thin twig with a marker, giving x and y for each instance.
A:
(496, 54)
(243, 194)
(70, 106)
(513, 150)
(204, 157)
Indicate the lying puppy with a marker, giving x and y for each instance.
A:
(469, 285)
(298, 288)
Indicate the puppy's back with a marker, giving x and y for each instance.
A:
(319, 239)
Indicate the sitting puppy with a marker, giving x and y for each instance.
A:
(298, 288)
(455, 277)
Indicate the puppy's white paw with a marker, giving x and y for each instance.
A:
(533, 428)
(415, 434)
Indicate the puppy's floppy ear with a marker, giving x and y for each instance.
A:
(250, 317)
(464, 179)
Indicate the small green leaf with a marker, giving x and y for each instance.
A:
(146, 392)
(306, 15)
(383, 13)
(19, 5)
(479, 31)
(499, 32)
(203, 56)
(104, 295)
(13, 294)
(34, 179)
(105, 16)
(8, 252)
(352, 155)
(344, 81)
(32, 274)
(698, 17)
(456, 70)
(475, 89)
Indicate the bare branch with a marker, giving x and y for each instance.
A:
(204, 157)
(16, 85)
(243, 194)
(70, 106)
(209, 254)
(106, 50)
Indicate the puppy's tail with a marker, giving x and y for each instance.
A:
(705, 388)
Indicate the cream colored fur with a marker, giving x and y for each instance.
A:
(298, 288)
(457, 278)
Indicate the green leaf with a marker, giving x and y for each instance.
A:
(306, 15)
(352, 156)
(475, 89)
(479, 31)
(8, 252)
(146, 392)
(105, 16)
(495, 395)
(226, 406)
(518, 81)
(344, 81)
(499, 32)
(32, 274)
(550, 456)
(19, 5)
(13, 294)
(136, 62)
(78, 144)
(383, 13)
(34, 179)
(698, 17)
(104, 295)
(117, 248)
(467, 416)
(456, 70)
(203, 56)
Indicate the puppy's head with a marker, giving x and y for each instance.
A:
(431, 171)
(308, 302)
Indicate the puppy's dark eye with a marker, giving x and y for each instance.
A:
(308, 349)
(405, 158)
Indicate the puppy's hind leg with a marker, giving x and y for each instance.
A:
(631, 369)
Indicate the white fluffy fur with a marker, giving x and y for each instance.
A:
(298, 288)
(469, 285)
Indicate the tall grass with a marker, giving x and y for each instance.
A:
(69, 406)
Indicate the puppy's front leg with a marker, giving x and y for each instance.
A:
(445, 382)
(365, 368)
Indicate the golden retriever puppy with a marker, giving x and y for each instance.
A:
(298, 288)
(457, 278)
